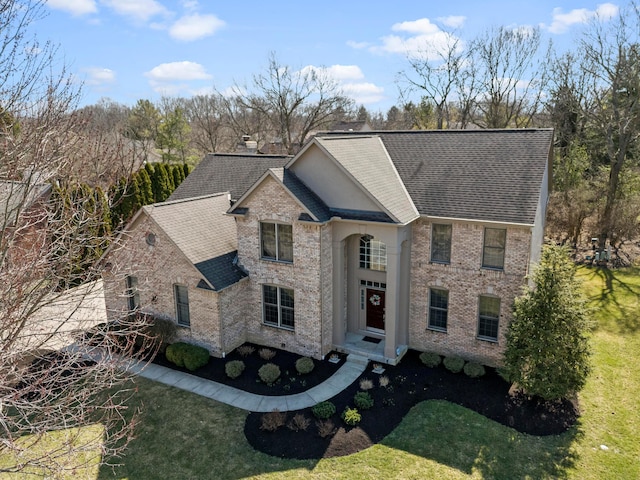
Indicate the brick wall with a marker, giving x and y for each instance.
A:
(270, 202)
(158, 268)
(466, 281)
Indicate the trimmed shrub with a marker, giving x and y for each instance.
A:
(234, 368)
(266, 353)
(273, 420)
(323, 410)
(474, 370)
(350, 416)
(269, 373)
(363, 400)
(304, 365)
(430, 359)
(453, 364)
(384, 381)
(187, 355)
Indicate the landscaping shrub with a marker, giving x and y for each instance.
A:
(266, 353)
(299, 422)
(163, 332)
(187, 355)
(430, 359)
(325, 428)
(384, 381)
(304, 365)
(273, 420)
(269, 373)
(323, 410)
(366, 384)
(474, 370)
(351, 417)
(245, 350)
(453, 364)
(234, 368)
(363, 400)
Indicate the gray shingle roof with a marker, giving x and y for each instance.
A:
(365, 158)
(233, 173)
(299, 189)
(491, 175)
(16, 197)
(201, 230)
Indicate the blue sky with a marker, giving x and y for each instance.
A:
(126, 50)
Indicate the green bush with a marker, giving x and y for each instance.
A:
(351, 417)
(269, 373)
(304, 365)
(323, 410)
(453, 364)
(187, 355)
(162, 331)
(430, 359)
(474, 370)
(363, 400)
(234, 368)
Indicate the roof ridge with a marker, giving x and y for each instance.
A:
(189, 199)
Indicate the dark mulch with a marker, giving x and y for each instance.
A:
(290, 381)
(410, 382)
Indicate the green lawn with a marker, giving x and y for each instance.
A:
(188, 437)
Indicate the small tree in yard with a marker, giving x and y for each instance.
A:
(547, 352)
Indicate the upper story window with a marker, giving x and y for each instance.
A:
(277, 241)
(495, 240)
(441, 243)
(373, 254)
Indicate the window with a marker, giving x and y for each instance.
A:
(438, 308)
(493, 250)
(489, 313)
(182, 305)
(278, 306)
(373, 254)
(441, 243)
(277, 241)
(133, 296)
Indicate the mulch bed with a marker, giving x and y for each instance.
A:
(290, 381)
(410, 382)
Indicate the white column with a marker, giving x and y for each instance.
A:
(392, 310)
(339, 300)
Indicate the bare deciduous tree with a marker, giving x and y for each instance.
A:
(292, 103)
(54, 377)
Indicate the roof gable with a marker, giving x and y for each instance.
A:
(488, 175)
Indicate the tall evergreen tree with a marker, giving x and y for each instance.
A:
(547, 352)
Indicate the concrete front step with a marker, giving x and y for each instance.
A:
(359, 359)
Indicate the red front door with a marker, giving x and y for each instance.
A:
(375, 309)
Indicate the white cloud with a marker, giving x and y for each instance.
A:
(178, 71)
(358, 45)
(190, 5)
(195, 26)
(74, 7)
(452, 21)
(562, 21)
(419, 39)
(173, 78)
(99, 76)
(137, 10)
(338, 73)
(363, 93)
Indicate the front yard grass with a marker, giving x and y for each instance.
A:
(185, 436)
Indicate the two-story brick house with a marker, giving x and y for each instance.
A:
(417, 239)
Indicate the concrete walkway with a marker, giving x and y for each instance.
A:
(345, 376)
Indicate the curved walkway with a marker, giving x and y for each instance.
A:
(345, 376)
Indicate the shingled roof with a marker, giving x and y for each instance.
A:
(207, 237)
(490, 175)
(229, 172)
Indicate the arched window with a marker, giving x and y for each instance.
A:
(373, 254)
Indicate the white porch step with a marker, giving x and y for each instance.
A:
(360, 359)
